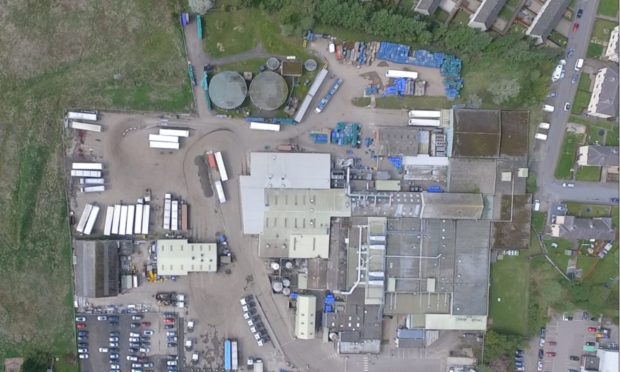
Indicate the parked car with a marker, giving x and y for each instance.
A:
(169, 321)
(137, 317)
(83, 333)
(172, 344)
(134, 325)
(169, 326)
(540, 366)
(550, 353)
(113, 318)
(552, 343)
(146, 324)
(592, 329)
(575, 27)
(80, 318)
(80, 325)
(82, 350)
(171, 333)
(579, 13)
(574, 358)
(113, 344)
(614, 200)
(134, 334)
(132, 358)
(541, 353)
(115, 366)
(102, 317)
(83, 356)
(103, 349)
(114, 356)
(113, 339)
(82, 338)
(82, 344)
(148, 332)
(567, 106)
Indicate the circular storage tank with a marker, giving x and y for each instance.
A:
(275, 266)
(286, 291)
(310, 65)
(228, 90)
(268, 91)
(276, 286)
(272, 63)
(286, 282)
(288, 265)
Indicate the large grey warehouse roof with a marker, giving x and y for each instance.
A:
(487, 14)
(268, 91)
(228, 90)
(96, 268)
(547, 18)
(279, 171)
(452, 206)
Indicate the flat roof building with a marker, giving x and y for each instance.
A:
(452, 206)
(305, 317)
(178, 257)
(97, 268)
(486, 14)
(269, 170)
(546, 19)
(604, 99)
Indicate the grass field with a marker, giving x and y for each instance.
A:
(538, 221)
(57, 55)
(608, 8)
(588, 174)
(594, 51)
(238, 31)
(602, 29)
(509, 282)
(587, 210)
(567, 156)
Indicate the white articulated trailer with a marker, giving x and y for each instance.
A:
(85, 126)
(84, 218)
(85, 173)
(92, 218)
(221, 167)
(146, 213)
(162, 138)
(174, 132)
(74, 115)
(87, 166)
(109, 217)
(220, 192)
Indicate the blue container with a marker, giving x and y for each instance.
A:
(294, 296)
(434, 188)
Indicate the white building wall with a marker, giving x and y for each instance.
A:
(596, 93)
(612, 47)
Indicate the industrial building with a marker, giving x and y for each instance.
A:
(97, 268)
(486, 14)
(179, 257)
(546, 19)
(228, 90)
(279, 171)
(305, 317)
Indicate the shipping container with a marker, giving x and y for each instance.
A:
(221, 167)
(174, 216)
(234, 355)
(85, 126)
(430, 114)
(184, 217)
(220, 192)
(265, 126)
(73, 115)
(167, 211)
(84, 218)
(92, 218)
(92, 181)
(131, 211)
(174, 132)
(421, 122)
(99, 188)
(163, 145)
(146, 214)
(138, 223)
(227, 355)
(395, 74)
(85, 173)
(161, 138)
(109, 216)
(87, 166)
(116, 220)
(122, 227)
(211, 160)
(544, 125)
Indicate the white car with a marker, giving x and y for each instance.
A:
(113, 344)
(134, 339)
(565, 184)
(133, 358)
(148, 332)
(257, 336)
(145, 350)
(540, 366)
(171, 333)
(250, 322)
(136, 317)
(83, 350)
(103, 349)
(83, 356)
(102, 317)
(246, 316)
(115, 366)
(171, 362)
(80, 318)
(113, 339)
(567, 106)
(136, 365)
(134, 334)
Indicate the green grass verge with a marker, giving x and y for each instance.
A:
(441, 15)
(608, 8)
(538, 221)
(594, 51)
(615, 215)
(530, 185)
(584, 82)
(588, 174)
(509, 282)
(588, 210)
(58, 56)
(602, 30)
(567, 156)
(581, 102)
(558, 38)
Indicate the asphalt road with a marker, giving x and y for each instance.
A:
(550, 188)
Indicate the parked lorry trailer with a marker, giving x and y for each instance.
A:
(163, 145)
(92, 181)
(424, 122)
(131, 211)
(396, 74)
(221, 167)
(211, 160)
(87, 166)
(146, 213)
(98, 188)
(85, 173)
(116, 219)
(314, 88)
(174, 217)
(162, 138)
(234, 356)
(84, 218)
(265, 126)
(137, 229)
(325, 101)
(75, 115)
(85, 126)
(167, 211)
(220, 192)
(227, 355)
(109, 216)
(184, 217)
(92, 218)
(122, 227)
(174, 132)
(429, 114)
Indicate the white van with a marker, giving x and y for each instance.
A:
(544, 126)
(536, 205)
(548, 108)
(541, 136)
(579, 64)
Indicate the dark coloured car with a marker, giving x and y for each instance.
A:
(135, 325)
(83, 333)
(574, 357)
(541, 353)
(82, 339)
(614, 200)
(543, 332)
(579, 13)
(169, 326)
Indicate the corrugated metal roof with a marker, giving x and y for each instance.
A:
(452, 206)
(178, 257)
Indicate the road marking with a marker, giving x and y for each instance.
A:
(365, 363)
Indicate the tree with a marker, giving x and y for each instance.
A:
(200, 6)
(504, 90)
(499, 345)
(473, 101)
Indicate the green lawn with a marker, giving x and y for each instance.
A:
(594, 50)
(581, 102)
(557, 254)
(57, 55)
(567, 156)
(441, 15)
(613, 136)
(506, 13)
(588, 174)
(538, 221)
(231, 32)
(608, 8)
(587, 210)
(602, 29)
(584, 82)
(509, 282)
(615, 215)
(585, 262)
(558, 38)
(462, 17)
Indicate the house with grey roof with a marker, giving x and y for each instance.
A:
(486, 14)
(427, 7)
(611, 53)
(601, 156)
(546, 19)
(575, 228)
(604, 99)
